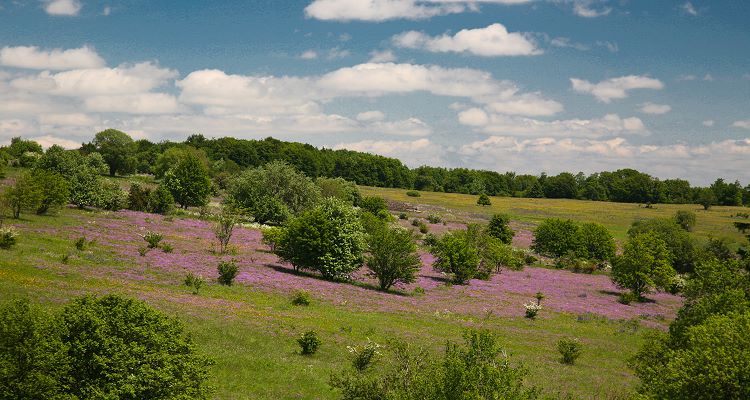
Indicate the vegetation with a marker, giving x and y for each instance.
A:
(309, 342)
(227, 272)
(679, 243)
(589, 241)
(484, 200)
(499, 228)
(569, 349)
(223, 231)
(188, 182)
(644, 264)
(117, 149)
(392, 256)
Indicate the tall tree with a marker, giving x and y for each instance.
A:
(118, 150)
(188, 182)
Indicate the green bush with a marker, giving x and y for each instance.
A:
(374, 205)
(80, 243)
(227, 272)
(111, 197)
(8, 237)
(98, 347)
(456, 254)
(223, 230)
(392, 256)
(499, 228)
(24, 194)
(434, 219)
(301, 298)
(272, 236)
(597, 242)
(423, 228)
(413, 193)
(194, 282)
(556, 237)
(364, 357)
(309, 342)
(160, 201)
(167, 248)
(55, 191)
(329, 239)
(678, 241)
(570, 350)
(685, 219)
(138, 197)
(403, 216)
(153, 239)
(339, 188)
(188, 181)
(644, 264)
(484, 200)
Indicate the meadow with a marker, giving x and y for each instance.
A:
(250, 328)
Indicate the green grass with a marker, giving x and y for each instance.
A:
(251, 334)
(617, 217)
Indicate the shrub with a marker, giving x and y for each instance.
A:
(575, 264)
(160, 201)
(685, 219)
(329, 239)
(415, 222)
(143, 250)
(111, 197)
(364, 357)
(373, 204)
(272, 236)
(194, 282)
(555, 237)
(456, 255)
(339, 188)
(167, 248)
(413, 193)
(570, 350)
(644, 264)
(23, 194)
(309, 342)
(223, 231)
(80, 243)
(678, 241)
(532, 309)
(301, 298)
(122, 348)
(419, 290)
(153, 239)
(499, 228)
(8, 237)
(188, 181)
(403, 216)
(434, 219)
(55, 190)
(423, 228)
(227, 272)
(393, 256)
(484, 200)
(272, 193)
(597, 242)
(430, 239)
(138, 198)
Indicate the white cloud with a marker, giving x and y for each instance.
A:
(139, 103)
(368, 116)
(554, 155)
(408, 127)
(63, 7)
(689, 8)
(491, 41)
(741, 124)
(497, 124)
(32, 57)
(384, 56)
(336, 52)
(72, 119)
(586, 9)
(309, 55)
(615, 88)
(611, 46)
(655, 109)
(412, 153)
(564, 42)
(708, 78)
(47, 141)
(107, 11)
(709, 123)
(383, 10)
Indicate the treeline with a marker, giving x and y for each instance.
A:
(228, 156)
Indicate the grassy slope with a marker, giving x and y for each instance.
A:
(251, 333)
(617, 217)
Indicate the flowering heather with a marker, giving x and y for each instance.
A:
(195, 252)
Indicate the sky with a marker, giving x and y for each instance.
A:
(507, 85)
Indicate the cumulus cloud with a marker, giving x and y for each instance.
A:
(382, 56)
(491, 41)
(709, 123)
(498, 124)
(309, 55)
(384, 10)
(745, 124)
(63, 7)
(615, 88)
(554, 155)
(32, 57)
(368, 116)
(689, 8)
(588, 9)
(655, 109)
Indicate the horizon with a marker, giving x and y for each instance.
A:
(529, 86)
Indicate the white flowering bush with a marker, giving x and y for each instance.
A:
(8, 237)
(532, 309)
(365, 356)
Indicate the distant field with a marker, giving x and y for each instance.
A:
(617, 217)
(250, 328)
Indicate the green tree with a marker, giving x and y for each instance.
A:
(706, 198)
(456, 254)
(160, 201)
(679, 243)
(122, 348)
(272, 193)
(24, 194)
(644, 264)
(392, 256)
(328, 238)
(188, 182)
(55, 190)
(499, 228)
(597, 241)
(18, 147)
(685, 219)
(484, 200)
(556, 237)
(33, 358)
(118, 150)
(340, 188)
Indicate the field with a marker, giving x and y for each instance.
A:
(250, 328)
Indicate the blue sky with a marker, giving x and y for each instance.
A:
(524, 85)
